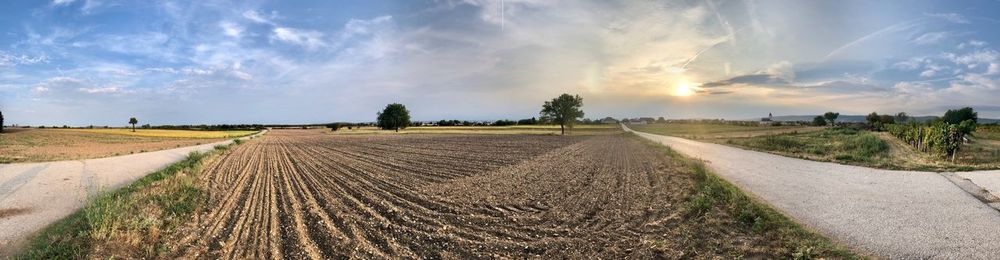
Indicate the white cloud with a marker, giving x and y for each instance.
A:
(62, 2)
(974, 59)
(104, 90)
(231, 29)
(257, 17)
(910, 64)
(951, 17)
(930, 38)
(310, 39)
(783, 70)
(10, 60)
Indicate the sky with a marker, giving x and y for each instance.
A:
(99, 62)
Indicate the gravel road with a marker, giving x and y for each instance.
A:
(34, 195)
(883, 213)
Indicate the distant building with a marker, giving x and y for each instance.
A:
(636, 121)
(767, 120)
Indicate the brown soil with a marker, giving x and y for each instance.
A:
(302, 194)
(38, 145)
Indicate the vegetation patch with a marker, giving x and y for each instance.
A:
(842, 145)
(721, 209)
(129, 222)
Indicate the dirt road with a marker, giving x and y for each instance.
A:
(892, 214)
(33, 195)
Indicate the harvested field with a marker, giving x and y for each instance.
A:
(38, 145)
(304, 194)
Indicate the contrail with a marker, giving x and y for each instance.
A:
(892, 28)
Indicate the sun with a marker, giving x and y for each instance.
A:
(683, 89)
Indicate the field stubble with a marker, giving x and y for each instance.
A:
(303, 194)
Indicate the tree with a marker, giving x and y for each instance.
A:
(1, 121)
(902, 117)
(661, 120)
(819, 121)
(831, 117)
(563, 110)
(955, 117)
(133, 121)
(394, 116)
(872, 119)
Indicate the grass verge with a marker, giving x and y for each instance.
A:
(720, 209)
(127, 222)
(841, 145)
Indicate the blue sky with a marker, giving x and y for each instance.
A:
(82, 62)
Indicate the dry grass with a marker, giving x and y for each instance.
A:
(39, 145)
(166, 133)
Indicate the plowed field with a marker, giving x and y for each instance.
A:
(302, 194)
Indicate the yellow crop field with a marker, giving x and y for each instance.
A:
(167, 133)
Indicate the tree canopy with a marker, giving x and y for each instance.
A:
(819, 121)
(394, 117)
(133, 121)
(831, 117)
(563, 110)
(956, 116)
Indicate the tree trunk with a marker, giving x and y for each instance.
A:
(562, 129)
(397, 129)
(133, 127)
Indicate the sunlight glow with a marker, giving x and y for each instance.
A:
(683, 89)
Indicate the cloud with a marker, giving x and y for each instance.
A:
(310, 39)
(62, 2)
(950, 17)
(974, 59)
(257, 17)
(10, 60)
(754, 79)
(231, 29)
(930, 38)
(783, 70)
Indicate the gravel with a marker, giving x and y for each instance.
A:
(884, 213)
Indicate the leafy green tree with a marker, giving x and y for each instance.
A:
(563, 110)
(133, 121)
(957, 116)
(902, 117)
(819, 121)
(831, 117)
(872, 118)
(394, 117)
(661, 120)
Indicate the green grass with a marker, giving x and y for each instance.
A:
(842, 145)
(127, 222)
(710, 131)
(714, 194)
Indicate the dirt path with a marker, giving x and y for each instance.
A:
(34, 195)
(891, 214)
